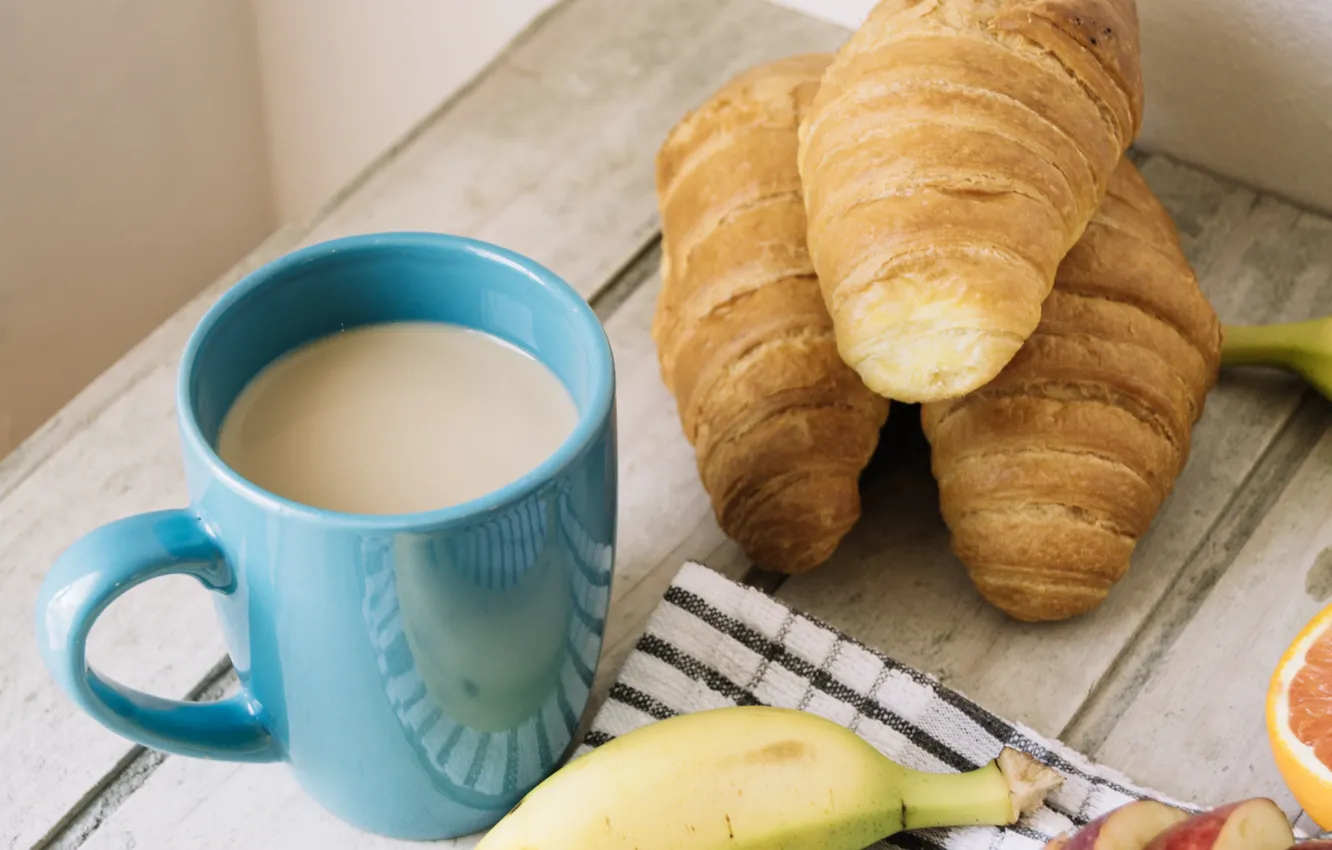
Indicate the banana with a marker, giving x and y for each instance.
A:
(756, 777)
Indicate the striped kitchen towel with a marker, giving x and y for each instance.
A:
(713, 643)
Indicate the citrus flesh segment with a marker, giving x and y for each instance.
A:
(1311, 699)
(1299, 718)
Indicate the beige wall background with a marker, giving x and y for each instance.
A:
(133, 170)
(344, 80)
(145, 147)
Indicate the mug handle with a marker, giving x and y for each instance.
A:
(86, 579)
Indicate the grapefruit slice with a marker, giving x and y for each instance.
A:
(1299, 718)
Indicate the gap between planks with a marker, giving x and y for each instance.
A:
(129, 774)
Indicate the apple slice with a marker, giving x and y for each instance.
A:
(1129, 827)
(1257, 824)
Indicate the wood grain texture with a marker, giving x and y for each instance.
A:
(216, 805)
(511, 160)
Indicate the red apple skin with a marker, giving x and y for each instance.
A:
(1128, 827)
(1197, 833)
(1264, 823)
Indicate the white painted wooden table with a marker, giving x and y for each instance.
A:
(550, 153)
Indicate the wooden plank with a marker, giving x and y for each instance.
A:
(1197, 727)
(665, 519)
(550, 153)
(894, 584)
(245, 807)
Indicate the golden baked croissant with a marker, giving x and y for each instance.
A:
(951, 158)
(780, 425)
(1050, 474)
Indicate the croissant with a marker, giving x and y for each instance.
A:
(1050, 474)
(781, 427)
(951, 158)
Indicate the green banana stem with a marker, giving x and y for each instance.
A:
(1304, 348)
(977, 798)
(1270, 345)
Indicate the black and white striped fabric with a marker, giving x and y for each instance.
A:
(713, 643)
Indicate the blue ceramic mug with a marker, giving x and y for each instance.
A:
(419, 672)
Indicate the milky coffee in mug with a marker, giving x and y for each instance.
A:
(396, 418)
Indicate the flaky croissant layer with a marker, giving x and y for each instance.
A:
(1049, 475)
(781, 427)
(951, 158)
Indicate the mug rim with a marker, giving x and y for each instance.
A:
(590, 422)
